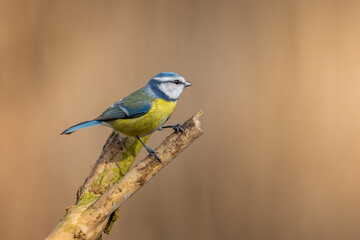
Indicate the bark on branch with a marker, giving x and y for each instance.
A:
(106, 189)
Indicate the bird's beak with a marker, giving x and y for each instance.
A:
(188, 84)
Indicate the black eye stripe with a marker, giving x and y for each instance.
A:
(170, 81)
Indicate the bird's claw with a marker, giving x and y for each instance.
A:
(178, 128)
(153, 153)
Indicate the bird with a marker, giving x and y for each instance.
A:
(143, 111)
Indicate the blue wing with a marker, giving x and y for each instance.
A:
(133, 106)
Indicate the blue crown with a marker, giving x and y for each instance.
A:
(166, 74)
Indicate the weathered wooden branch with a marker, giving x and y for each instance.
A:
(103, 192)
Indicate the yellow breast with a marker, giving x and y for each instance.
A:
(147, 123)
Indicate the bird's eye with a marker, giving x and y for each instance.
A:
(177, 82)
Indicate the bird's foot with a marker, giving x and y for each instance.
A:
(149, 150)
(176, 127)
(153, 153)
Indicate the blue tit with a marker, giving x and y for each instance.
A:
(143, 111)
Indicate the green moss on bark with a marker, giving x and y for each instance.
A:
(113, 172)
(87, 199)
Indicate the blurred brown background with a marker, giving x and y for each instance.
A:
(279, 84)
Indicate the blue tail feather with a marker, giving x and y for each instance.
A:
(81, 126)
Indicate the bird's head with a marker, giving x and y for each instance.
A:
(168, 85)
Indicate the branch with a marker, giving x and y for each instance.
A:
(88, 218)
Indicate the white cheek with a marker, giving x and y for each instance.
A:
(171, 90)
